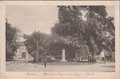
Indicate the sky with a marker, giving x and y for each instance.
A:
(32, 18)
(37, 18)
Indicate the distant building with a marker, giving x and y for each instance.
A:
(22, 52)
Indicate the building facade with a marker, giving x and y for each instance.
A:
(22, 52)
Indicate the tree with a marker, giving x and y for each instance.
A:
(36, 44)
(91, 31)
(11, 43)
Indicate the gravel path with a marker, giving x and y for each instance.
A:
(23, 66)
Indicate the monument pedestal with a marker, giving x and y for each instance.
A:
(63, 60)
(63, 56)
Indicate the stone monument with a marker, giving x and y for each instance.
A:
(63, 56)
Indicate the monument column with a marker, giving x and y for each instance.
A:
(63, 56)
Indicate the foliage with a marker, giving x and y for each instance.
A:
(36, 44)
(11, 44)
(72, 32)
(97, 32)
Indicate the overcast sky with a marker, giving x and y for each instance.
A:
(36, 18)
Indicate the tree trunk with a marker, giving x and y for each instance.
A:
(37, 58)
(93, 58)
(76, 56)
(37, 55)
(88, 58)
(34, 61)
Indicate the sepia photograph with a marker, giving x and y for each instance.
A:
(60, 38)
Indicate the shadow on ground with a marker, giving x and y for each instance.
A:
(108, 66)
(65, 63)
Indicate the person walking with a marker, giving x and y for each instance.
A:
(45, 63)
(45, 59)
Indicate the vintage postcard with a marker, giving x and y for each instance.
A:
(59, 39)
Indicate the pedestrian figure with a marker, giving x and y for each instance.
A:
(45, 64)
(45, 60)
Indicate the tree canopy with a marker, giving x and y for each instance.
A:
(82, 29)
(97, 32)
(36, 44)
(11, 43)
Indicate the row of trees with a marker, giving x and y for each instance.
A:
(90, 36)
(11, 43)
(78, 36)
